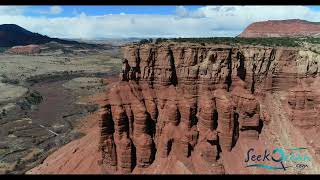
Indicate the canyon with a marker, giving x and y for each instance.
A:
(191, 108)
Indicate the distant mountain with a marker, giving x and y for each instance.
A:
(14, 35)
(282, 28)
(110, 41)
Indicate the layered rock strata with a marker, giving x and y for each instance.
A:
(190, 100)
(303, 107)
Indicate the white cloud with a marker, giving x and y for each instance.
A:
(205, 21)
(12, 10)
(182, 11)
(53, 10)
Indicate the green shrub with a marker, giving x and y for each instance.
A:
(6, 79)
(272, 41)
(289, 42)
(144, 41)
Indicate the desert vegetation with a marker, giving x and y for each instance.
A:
(272, 41)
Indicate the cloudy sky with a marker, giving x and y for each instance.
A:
(94, 22)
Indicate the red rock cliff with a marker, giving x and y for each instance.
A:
(189, 101)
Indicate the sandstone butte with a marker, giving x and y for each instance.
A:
(282, 28)
(191, 108)
(25, 50)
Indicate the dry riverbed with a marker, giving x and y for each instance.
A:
(40, 103)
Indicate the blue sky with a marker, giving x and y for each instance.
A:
(94, 22)
(70, 11)
(316, 8)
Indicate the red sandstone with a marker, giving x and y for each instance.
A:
(282, 28)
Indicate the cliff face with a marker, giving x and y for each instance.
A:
(193, 102)
(282, 28)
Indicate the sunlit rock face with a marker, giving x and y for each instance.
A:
(192, 102)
